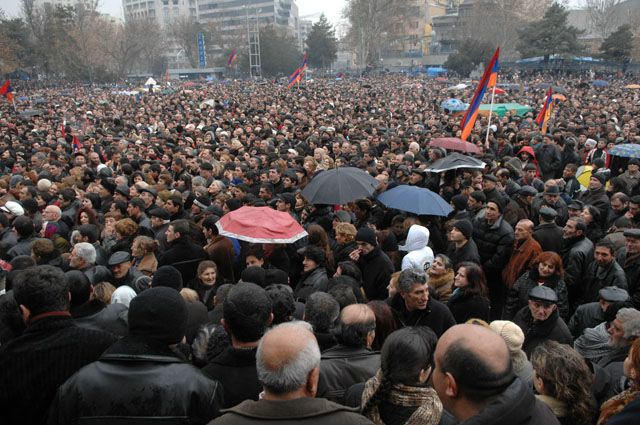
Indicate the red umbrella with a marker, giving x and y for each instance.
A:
(454, 144)
(260, 225)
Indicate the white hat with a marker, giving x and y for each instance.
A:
(13, 207)
(510, 332)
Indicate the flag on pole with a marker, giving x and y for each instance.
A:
(63, 131)
(7, 91)
(76, 144)
(232, 57)
(489, 79)
(543, 116)
(299, 72)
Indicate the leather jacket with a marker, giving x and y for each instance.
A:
(137, 378)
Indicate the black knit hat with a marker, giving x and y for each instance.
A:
(167, 276)
(159, 314)
(254, 274)
(465, 227)
(367, 235)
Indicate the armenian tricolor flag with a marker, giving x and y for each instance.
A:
(232, 57)
(76, 144)
(489, 79)
(543, 116)
(7, 91)
(299, 72)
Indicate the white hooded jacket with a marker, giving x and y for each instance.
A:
(419, 255)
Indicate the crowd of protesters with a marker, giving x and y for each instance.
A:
(121, 302)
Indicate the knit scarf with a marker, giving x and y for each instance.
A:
(429, 407)
(615, 404)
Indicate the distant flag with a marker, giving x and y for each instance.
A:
(63, 131)
(489, 79)
(543, 116)
(7, 91)
(76, 144)
(299, 72)
(232, 57)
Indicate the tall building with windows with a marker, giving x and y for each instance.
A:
(163, 11)
(231, 15)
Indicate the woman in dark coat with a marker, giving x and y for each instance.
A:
(314, 276)
(546, 270)
(469, 299)
(206, 282)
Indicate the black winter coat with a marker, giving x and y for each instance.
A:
(535, 333)
(549, 160)
(36, 363)
(181, 251)
(577, 254)
(518, 295)
(236, 371)
(598, 198)
(137, 378)
(376, 268)
(495, 242)
(632, 272)
(342, 366)
(436, 316)
(469, 252)
(598, 277)
(465, 307)
(549, 236)
(95, 314)
(316, 281)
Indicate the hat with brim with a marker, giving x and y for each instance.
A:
(543, 294)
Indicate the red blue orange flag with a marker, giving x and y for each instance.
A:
(297, 75)
(76, 144)
(489, 79)
(7, 91)
(543, 116)
(232, 57)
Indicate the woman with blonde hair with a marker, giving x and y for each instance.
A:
(143, 251)
(563, 381)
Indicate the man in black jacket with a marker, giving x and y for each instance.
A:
(50, 350)
(412, 305)
(548, 233)
(629, 258)
(577, 253)
(351, 361)
(375, 265)
(603, 271)
(475, 382)
(182, 250)
(462, 247)
(494, 238)
(247, 313)
(141, 376)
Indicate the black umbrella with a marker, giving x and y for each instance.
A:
(453, 162)
(339, 186)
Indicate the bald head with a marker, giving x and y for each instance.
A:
(472, 366)
(523, 230)
(356, 313)
(286, 356)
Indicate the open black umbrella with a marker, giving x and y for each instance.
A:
(454, 161)
(339, 186)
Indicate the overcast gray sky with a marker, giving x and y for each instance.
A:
(331, 8)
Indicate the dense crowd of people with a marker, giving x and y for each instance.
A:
(122, 302)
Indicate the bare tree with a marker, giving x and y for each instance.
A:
(184, 31)
(604, 16)
(372, 24)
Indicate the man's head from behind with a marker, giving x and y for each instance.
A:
(472, 365)
(288, 361)
(357, 326)
(321, 311)
(41, 289)
(246, 312)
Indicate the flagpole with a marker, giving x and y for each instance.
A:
(493, 93)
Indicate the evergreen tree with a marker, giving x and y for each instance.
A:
(470, 53)
(550, 36)
(279, 53)
(617, 47)
(322, 45)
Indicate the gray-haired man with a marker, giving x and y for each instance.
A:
(288, 364)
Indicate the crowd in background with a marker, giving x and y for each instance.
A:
(120, 299)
